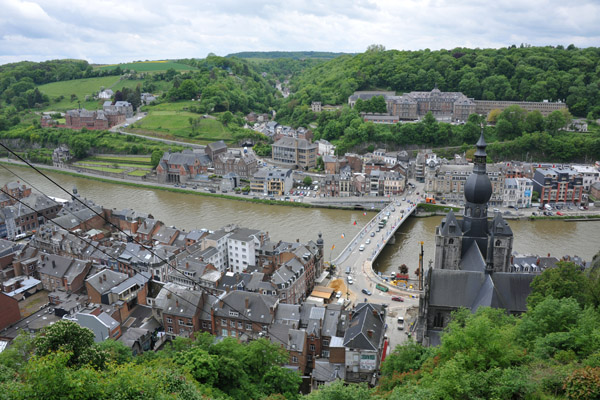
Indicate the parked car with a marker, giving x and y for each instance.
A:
(400, 323)
(559, 213)
(367, 292)
(368, 241)
(372, 234)
(361, 247)
(350, 280)
(397, 298)
(338, 294)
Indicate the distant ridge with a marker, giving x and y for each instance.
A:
(297, 55)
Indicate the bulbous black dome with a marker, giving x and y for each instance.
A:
(478, 189)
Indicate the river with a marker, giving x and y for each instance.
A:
(294, 223)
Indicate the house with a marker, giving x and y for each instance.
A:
(294, 342)
(100, 323)
(558, 185)
(96, 119)
(243, 315)
(241, 248)
(181, 167)
(106, 94)
(272, 182)
(363, 341)
(212, 150)
(123, 108)
(218, 241)
(179, 310)
(61, 155)
(62, 273)
(238, 162)
(147, 98)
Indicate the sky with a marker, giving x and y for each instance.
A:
(111, 31)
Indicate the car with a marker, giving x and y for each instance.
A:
(367, 292)
(378, 229)
(338, 294)
(559, 213)
(372, 234)
(361, 248)
(581, 208)
(397, 298)
(350, 280)
(418, 193)
(368, 241)
(400, 323)
(404, 199)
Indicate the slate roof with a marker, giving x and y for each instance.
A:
(473, 289)
(75, 218)
(288, 314)
(105, 280)
(366, 318)
(291, 339)
(177, 300)
(326, 371)
(290, 142)
(141, 278)
(259, 306)
(472, 259)
(215, 146)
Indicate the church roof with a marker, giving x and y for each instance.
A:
(473, 259)
(499, 227)
(451, 226)
(472, 289)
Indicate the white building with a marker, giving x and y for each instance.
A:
(325, 148)
(590, 174)
(517, 192)
(106, 94)
(218, 240)
(241, 248)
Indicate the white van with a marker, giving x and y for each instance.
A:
(361, 248)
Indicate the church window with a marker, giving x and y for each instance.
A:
(498, 243)
(451, 241)
(438, 320)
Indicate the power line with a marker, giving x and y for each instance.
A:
(201, 289)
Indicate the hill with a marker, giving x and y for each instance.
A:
(147, 66)
(525, 74)
(295, 55)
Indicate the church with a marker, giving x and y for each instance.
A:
(472, 266)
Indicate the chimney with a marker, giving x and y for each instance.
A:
(247, 303)
(53, 264)
(370, 333)
(100, 279)
(104, 276)
(177, 303)
(221, 303)
(187, 265)
(169, 295)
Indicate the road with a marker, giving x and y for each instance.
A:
(364, 277)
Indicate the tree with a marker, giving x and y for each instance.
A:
(307, 181)
(115, 351)
(79, 146)
(338, 390)
(75, 341)
(554, 122)
(492, 117)
(404, 358)
(156, 157)
(320, 163)
(563, 281)
(226, 118)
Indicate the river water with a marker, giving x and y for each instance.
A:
(294, 223)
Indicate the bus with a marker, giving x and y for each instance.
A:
(381, 287)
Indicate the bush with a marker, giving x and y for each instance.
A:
(583, 384)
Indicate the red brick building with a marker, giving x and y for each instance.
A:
(10, 311)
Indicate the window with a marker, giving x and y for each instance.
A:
(240, 325)
(325, 353)
(181, 322)
(169, 320)
(294, 359)
(312, 347)
(204, 325)
(223, 322)
(170, 329)
(325, 342)
(248, 327)
(232, 323)
(224, 332)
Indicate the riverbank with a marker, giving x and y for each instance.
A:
(169, 188)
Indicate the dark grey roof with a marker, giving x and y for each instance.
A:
(288, 314)
(499, 227)
(366, 327)
(140, 279)
(330, 322)
(105, 280)
(292, 339)
(54, 265)
(177, 300)
(261, 308)
(451, 222)
(326, 371)
(472, 259)
(512, 290)
(220, 145)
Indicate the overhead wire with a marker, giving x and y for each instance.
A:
(133, 239)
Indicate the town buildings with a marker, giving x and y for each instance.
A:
(445, 106)
(558, 185)
(292, 152)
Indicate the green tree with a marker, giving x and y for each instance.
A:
(307, 180)
(404, 358)
(156, 157)
(226, 118)
(320, 163)
(554, 122)
(115, 351)
(338, 390)
(79, 146)
(75, 341)
(187, 90)
(563, 281)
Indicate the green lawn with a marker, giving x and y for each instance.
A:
(138, 172)
(106, 169)
(131, 160)
(176, 123)
(150, 66)
(171, 106)
(81, 88)
(110, 164)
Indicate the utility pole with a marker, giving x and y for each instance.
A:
(421, 268)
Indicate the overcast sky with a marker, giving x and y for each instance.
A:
(111, 31)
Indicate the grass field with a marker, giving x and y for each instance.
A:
(176, 123)
(138, 161)
(171, 106)
(106, 169)
(110, 164)
(138, 172)
(150, 66)
(81, 88)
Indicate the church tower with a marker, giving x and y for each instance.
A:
(478, 191)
